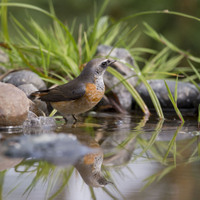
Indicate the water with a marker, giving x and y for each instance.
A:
(143, 158)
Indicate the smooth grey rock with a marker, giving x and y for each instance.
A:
(188, 94)
(14, 105)
(27, 88)
(37, 106)
(21, 77)
(121, 55)
(60, 149)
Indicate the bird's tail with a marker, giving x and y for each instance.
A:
(39, 94)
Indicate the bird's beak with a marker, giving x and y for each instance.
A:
(111, 62)
(117, 66)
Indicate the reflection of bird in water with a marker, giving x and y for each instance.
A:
(89, 168)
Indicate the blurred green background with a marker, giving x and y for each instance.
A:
(180, 31)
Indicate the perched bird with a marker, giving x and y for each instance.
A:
(82, 93)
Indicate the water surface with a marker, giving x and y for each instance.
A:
(143, 158)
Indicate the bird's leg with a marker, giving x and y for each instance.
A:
(65, 120)
(75, 119)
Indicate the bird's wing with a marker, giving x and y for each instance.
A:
(64, 92)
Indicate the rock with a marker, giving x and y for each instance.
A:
(125, 98)
(60, 149)
(21, 77)
(41, 124)
(119, 53)
(37, 106)
(188, 95)
(28, 88)
(14, 105)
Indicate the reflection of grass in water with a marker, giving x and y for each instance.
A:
(66, 176)
(58, 52)
(2, 175)
(47, 173)
(174, 100)
(170, 154)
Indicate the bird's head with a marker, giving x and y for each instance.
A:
(96, 67)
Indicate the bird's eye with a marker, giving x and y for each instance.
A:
(104, 63)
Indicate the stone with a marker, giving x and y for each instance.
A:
(37, 106)
(188, 95)
(21, 77)
(60, 149)
(41, 124)
(122, 56)
(28, 88)
(14, 105)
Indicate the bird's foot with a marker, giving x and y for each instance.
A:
(75, 119)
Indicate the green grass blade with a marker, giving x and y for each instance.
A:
(194, 69)
(153, 96)
(32, 7)
(176, 91)
(199, 117)
(131, 89)
(4, 20)
(174, 103)
(160, 12)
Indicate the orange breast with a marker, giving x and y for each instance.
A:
(92, 94)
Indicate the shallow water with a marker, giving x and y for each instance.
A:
(143, 158)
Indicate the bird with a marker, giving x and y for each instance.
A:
(80, 94)
(89, 166)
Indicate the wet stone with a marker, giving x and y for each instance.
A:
(60, 149)
(21, 77)
(36, 122)
(41, 124)
(188, 95)
(14, 105)
(120, 54)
